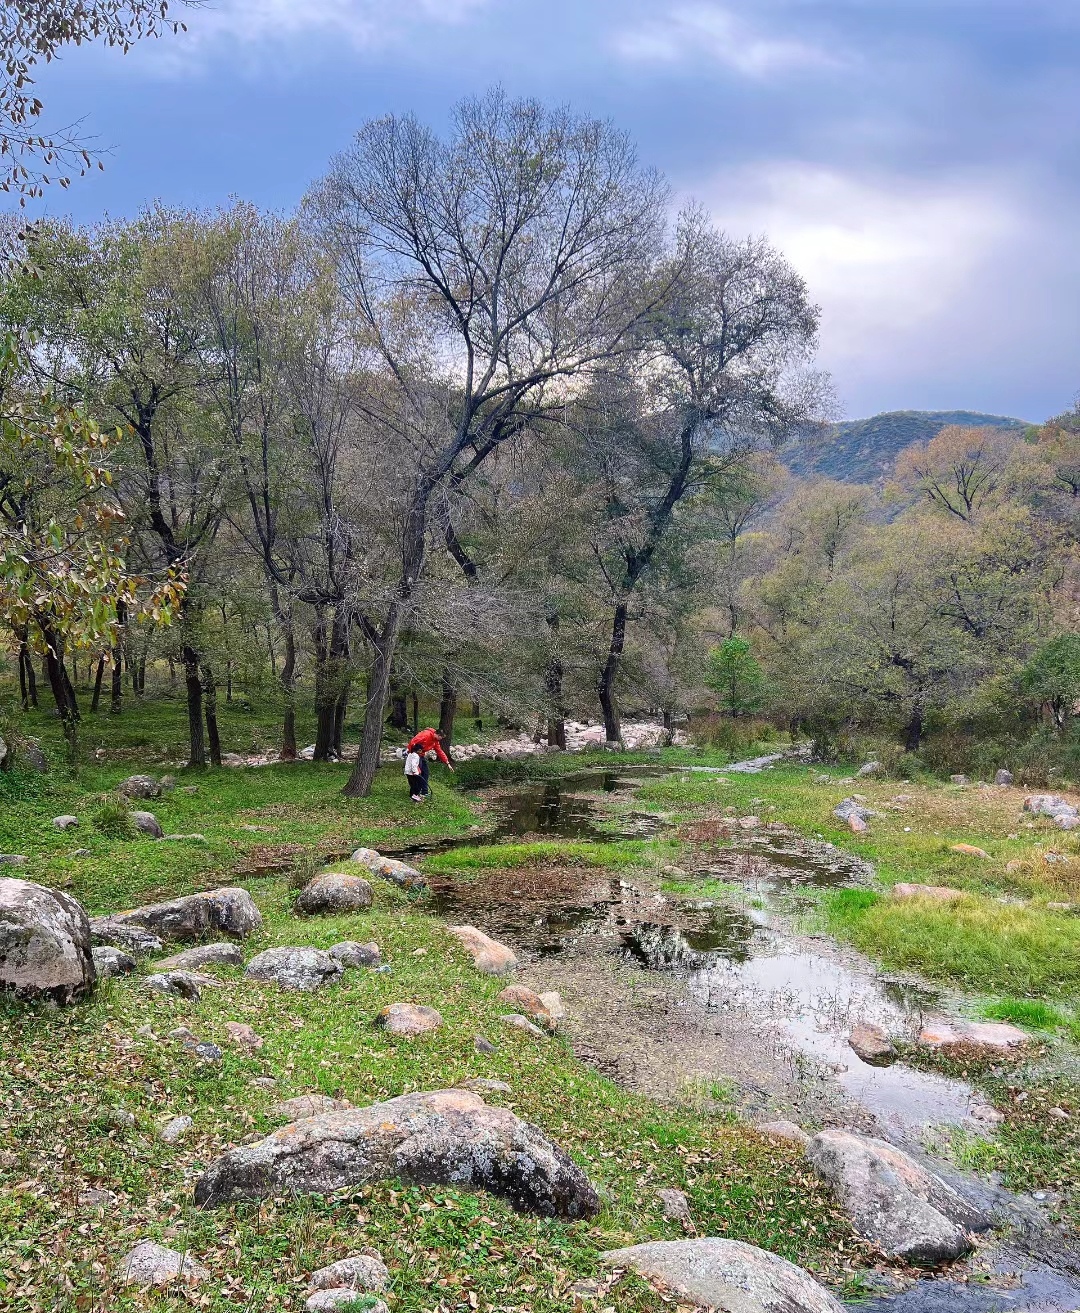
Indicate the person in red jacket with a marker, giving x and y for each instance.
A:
(428, 740)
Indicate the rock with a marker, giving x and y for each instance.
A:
(139, 786)
(959, 779)
(147, 823)
(44, 943)
(203, 955)
(81, 852)
(676, 1206)
(308, 1105)
(784, 1130)
(935, 893)
(748, 822)
(329, 1301)
(365, 1271)
(969, 850)
(988, 1036)
(868, 768)
(856, 824)
(488, 954)
(218, 911)
(95, 1198)
(182, 838)
(552, 1000)
(110, 962)
(1003, 777)
(483, 1045)
(388, 868)
(851, 808)
(727, 1275)
(175, 1129)
(263, 1083)
(12, 859)
(519, 1022)
(182, 984)
(205, 1051)
(334, 892)
(150, 1264)
(242, 1035)
(448, 1137)
(1062, 813)
(351, 954)
(119, 1117)
(872, 1044)
(530, 1003)
(65, 822)
(897, 1205)
(408, 1019)
(183, 1034)
(33, 756)
(480, 1084)
(133, 938)
(304, 969)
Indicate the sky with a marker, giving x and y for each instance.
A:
(916, 160)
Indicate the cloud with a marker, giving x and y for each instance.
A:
(691, 31)
(920, 282)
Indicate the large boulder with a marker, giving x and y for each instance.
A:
(109, 961)
(488, 955)
(225, 954)
(893, 1202)
(351, 954)
(44, 943)
(726, 1275)
(300, 968)
(334, 892)
(441, 1137)
(389, 868)
(216, 912)
(139, 786)
(1062, 813)
(147, 823)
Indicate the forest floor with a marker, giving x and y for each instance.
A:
(63, 1074)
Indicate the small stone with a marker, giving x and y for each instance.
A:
(95, 1198)
(119, 1117)
(399, 873)
(303, 969)
(242, 1035)
(182, 838)
(139, 786)
(516, 1020)
(552, 1000)
(988, 1036)
(351, 954)
(488, 955)
(308, 1105)
(110, 962)
(204, 955)
(206, 1052)
(676, 1206)
(483, 1045)
(150, 1264)
(783, 1130)
(147, 823)
(969, 850)
(869, 768)
(65, 822)
(872, 1045)
(175, 1129)
(181, 984)
(184, 1035)
(959, 779)
(364, 1271)
(482, 1083)
(263, 1083)
(530, 1003)
(1003, 777)
(146, 1032)
(81, 852)
(408, 1019)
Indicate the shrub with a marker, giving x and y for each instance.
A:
(112, 818)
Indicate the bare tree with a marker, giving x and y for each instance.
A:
(487, 270)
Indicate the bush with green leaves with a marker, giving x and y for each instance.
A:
(733, 674)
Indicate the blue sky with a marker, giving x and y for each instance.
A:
(915, 159)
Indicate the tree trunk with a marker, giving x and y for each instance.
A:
(447, 709)
(383, 646)
(288, 683)
(210, 692)
(477, 721)
(415, 712)
(914, 729)
(340, 709)
(27, 677)
(99, 675)
(399, 707)
(556, 726)
(196, 741)
(605, 687)
(63, 693)
(331, 648)
(116, 699)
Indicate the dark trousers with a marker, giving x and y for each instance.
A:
(425, 767)
(417, 787)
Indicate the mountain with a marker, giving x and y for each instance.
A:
(865, 450)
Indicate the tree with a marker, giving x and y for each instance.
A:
(33, 32)
(719, 375)
(734, 675)
(64, 582)
(485, 270)
(1052, 678)
(959, 470)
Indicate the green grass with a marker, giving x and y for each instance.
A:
(506, 856)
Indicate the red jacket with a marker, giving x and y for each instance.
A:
(426, 741)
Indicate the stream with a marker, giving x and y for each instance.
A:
(717, 995)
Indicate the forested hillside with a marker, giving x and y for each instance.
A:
(865, 450)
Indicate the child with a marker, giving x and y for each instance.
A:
(415, 777)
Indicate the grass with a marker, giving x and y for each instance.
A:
(507, 856)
